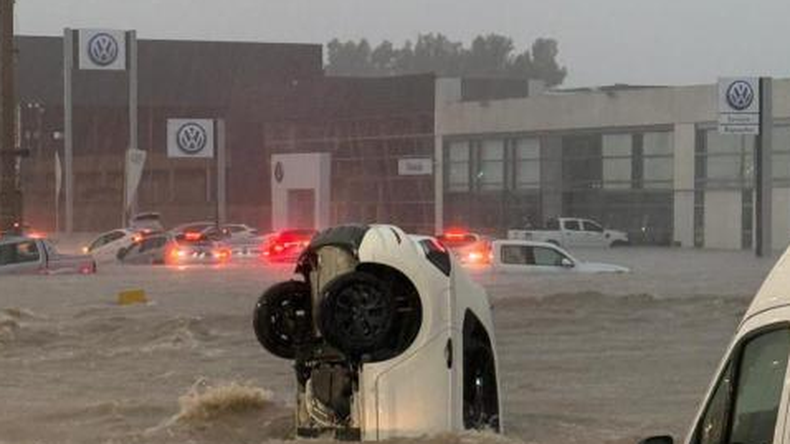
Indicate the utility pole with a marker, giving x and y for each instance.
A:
(10, 194)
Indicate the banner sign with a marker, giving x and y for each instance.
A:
(739, 105)
(102, 50)
(135, 162)
(190, 138)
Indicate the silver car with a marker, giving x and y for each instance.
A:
(27, 255)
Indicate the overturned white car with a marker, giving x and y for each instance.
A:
(390, 338)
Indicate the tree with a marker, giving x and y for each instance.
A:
(491, 55)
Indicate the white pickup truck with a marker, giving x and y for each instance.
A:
(571, 232)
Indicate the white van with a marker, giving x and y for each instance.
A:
(747, 402)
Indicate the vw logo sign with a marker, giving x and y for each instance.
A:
(740, 95)
(279, 172)
(103, 49)
(191, 138)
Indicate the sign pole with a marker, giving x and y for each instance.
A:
(221, 172)
(130, 201)
(68, 132)
(763, 174)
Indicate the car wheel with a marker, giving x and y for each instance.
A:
(357, 311)
(480, 388)
(282, 319)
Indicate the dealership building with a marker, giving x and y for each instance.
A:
(648, 160)
(306, 149)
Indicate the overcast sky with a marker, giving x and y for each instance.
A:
(601, 41)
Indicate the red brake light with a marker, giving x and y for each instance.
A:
(192, 236)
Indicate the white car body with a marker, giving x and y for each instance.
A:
(574, 232)
(749, 397)
(106, 246)
(421, 389)
(542, 257)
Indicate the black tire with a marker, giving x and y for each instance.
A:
(357, 314)
(619, 244)
(282, 319)
(481, 404)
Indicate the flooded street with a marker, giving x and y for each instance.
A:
(584, 359)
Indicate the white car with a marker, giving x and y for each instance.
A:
(105, 247)
(389, 337)
(574, 232)
(749, 398)
(528, 256)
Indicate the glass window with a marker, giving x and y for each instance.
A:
(657, 144)
(517, 255)
(780, 162)
(572, 225)
(617, 166)
(745, 404)
(658, 169)
(527, 164)
(27, 252)
(592, 226)
(7, 253)
(458, 167)
(759, 389)
(548, 257)
(492, 168)
(712, 426)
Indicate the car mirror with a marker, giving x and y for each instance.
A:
(661, 439)
(567, 263)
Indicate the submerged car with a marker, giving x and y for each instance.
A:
(106, 246)
(529, 256)
(170, 249)
(470, 248)
(388, 335)
(27, 255)
(287, 245)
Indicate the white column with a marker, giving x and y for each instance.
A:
(684, 158)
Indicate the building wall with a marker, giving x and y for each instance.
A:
(711, 179)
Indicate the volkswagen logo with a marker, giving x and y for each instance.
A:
(279, 172)
(191, 138)
(740, 95)
(103, 49)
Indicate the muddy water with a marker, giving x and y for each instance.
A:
(583, 359)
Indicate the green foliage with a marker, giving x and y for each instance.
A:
(488, 56)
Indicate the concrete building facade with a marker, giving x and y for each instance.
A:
(648, 160)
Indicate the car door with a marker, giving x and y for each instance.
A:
(746, 404)
(594, 234)
(572, 234)
(106, 247)
(549, 260)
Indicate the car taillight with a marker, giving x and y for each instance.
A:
(192, 236)
(222, 254)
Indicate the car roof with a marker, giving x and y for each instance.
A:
(527, 243)
(775, 291)
(4, 240)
